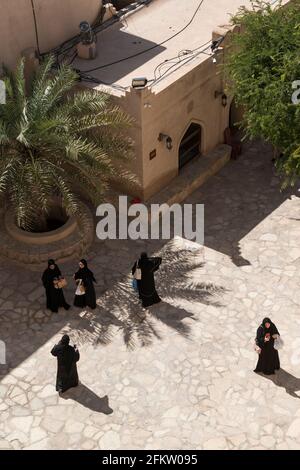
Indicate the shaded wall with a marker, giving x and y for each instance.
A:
(57, 21)
(189, 99)
(171, 111)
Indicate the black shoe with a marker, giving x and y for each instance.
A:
(67, 307)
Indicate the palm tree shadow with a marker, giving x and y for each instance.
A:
(181, 266)
(172, 317)
(87, 398)
(95, 328)
(284, 379)
(121, 307)
(120, 311)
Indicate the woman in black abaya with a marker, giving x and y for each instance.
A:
(87, 279)
(67, 356)
(268, 359)
(146, 285)
(55, 297)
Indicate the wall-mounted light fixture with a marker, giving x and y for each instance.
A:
(167, 139)
(139, 82)
(216, 43)
(224, 97)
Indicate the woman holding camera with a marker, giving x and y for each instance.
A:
(67, 357)
(268, 359)
(146, 285)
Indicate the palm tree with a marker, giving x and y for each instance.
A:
(55, 140)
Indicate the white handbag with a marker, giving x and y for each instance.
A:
(278, 343)
(138, 272)
(80, 288)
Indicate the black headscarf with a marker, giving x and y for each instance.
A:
(262, 331)
(272, 328)
(65, 352)
(63, 344)
(143, 258)
(151, 264)
(65, 340)
(50, 274)
(84, 272)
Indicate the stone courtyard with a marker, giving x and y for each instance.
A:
(179, 375)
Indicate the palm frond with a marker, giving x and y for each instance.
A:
(58, 140)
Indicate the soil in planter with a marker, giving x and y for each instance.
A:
(51, 224)
(55, 219)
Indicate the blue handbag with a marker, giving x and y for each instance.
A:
(134, 284)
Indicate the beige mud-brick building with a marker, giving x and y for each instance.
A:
(182, 112)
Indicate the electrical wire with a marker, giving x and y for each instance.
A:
(88, 78)
(180, 64)
(179, 56)
(73, 58)
(36, 28)
(192, 54)
(69, 44)
(149, 48)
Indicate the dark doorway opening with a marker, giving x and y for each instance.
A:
(190, 146)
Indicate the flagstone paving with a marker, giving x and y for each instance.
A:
(179, 375)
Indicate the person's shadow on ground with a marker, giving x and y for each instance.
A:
(89, 399)
(284, 379)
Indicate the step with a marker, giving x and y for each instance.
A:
(192, 176)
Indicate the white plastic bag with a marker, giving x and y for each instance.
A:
(80, 289)
(278, 343)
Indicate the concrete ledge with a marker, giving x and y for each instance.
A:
(194, 175)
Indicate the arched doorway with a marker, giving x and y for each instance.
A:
(190, 146)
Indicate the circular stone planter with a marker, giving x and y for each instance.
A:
(69, 241)
(39, 238)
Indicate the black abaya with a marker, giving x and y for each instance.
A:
(67, 375)
(268, 359)
(146, 285)
(89, 298)
(55, 297)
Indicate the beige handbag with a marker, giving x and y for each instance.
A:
(61, 283)
(138, 272)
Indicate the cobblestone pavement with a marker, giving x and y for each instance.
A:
(182, 378)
